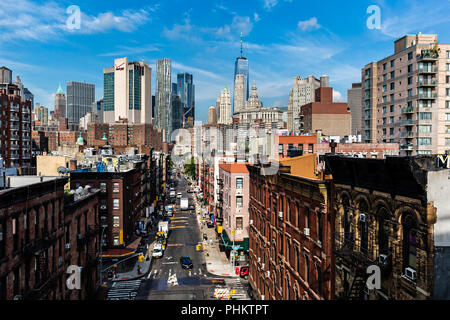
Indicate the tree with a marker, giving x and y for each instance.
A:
(189, 168)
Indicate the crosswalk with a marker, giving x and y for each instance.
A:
(236, 284)
(124, 290)
(164, 273)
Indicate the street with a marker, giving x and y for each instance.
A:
(167, 279)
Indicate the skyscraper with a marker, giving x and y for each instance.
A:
(186, 91)
(128, 92)
(163, 97)
(239, 93)
(224, 105)
(212, 115)
(80, 96)
(241, 67)
(354, 99)
(177, 109)
(60, 103)
(41, 114)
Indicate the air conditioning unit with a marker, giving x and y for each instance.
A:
(362, 217)
(268, 274)
(251, 222)
(79, 236)
(306, 231)
(259, 259)
(103, 207)
(382, 259)
(280, 214)
(67, 245)
(262, 266)
(262, 297)
(410, 274)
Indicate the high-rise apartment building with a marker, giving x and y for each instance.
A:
(127, 92)
(224, 107)
(239, 94)
(303, 92)
(80, 96)
(41, 114)
(241, 67)
(186, 91)
(60, 103)
(354, 100)
(163, 97)
(15, 123)
(406, 96)
(29, 96)
(97, 108)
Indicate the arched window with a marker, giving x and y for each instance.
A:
(363, 232)
(307, 269)
(409, 224)
(346, 222)
(383, 230)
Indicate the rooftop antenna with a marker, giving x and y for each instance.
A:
(241, 44)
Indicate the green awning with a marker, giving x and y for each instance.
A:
(229, 243)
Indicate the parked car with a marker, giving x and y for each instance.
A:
(186, 262)
(209, 224)
(244, 272)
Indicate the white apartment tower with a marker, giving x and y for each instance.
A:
(224, 107)
(128, 92)
(239, 93)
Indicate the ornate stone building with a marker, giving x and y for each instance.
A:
(392, 213)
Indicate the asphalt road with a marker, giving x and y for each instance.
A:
(167, 280)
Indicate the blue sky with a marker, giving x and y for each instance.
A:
(282, 39)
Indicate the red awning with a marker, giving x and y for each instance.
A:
(122, 252)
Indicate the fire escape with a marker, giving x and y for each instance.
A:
(220, 198)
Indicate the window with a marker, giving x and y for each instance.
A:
(448, 66)
(447, 79)
(115, 203)
(319, 227)
(239, 223)
(280, 149)
(427, 116)
(410, 68)
(310, 148)
(384, 109)
(385, 77)
(392, 97)
(424, 129)
(409, 241)
(116, 221)
(392, 74)
(103, 187)
(384, 66)
(239, 183)
(2, 239)
(298, 215)
(391, 131)
(447, 129)
(410, 55)
(307, 218)
(391, 108)
(116, 239)
(447, 104)
(15, 235)
(115, 187)
(447, 140)
(384, 88)
(392, 85)
(424, 141)
(239, 203)
(307, 269)
(384, 121)
(392, 63)
(410, 92)
(447, 92)
(410, 80)
(447, 116)
(384, 98)
(391, 120)
(448, 54)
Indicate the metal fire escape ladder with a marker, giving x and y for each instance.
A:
(358, 285)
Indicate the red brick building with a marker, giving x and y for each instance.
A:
(305, 143)
(291, 231)
(38, 232)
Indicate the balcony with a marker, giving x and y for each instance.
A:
(14, 127)
(427, 83)
(427, 70)
(26, 138)
(407, 147)
(15, 147)
(408, 122)
(26, 110)
(427, 95)
(15, 108)
(407, 134)
(14, 118)
(408, 110)
(26, 129)
(428, 55)
(14, 137)
(14, 156)
(352, 250)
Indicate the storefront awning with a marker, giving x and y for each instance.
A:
(122, 252)
(229, 243)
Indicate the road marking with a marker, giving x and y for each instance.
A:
(199, 271)
(172, 262)
(190, 273)
(175, 245)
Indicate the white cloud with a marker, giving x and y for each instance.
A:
(42, 22)
(256, 17)
(337, 96)
(242, 24)
(126, 51)
(269, 4)
(309, 24)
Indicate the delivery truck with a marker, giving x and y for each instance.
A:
(163, 226)
(184, 204)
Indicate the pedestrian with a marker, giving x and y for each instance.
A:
(139, 270)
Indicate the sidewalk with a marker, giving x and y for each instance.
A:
(216, 261)
(145, 266)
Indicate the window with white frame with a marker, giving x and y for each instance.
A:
(239, 201)
(239, 183)
(115, 203)
(239, 223)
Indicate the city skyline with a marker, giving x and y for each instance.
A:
(313, 42)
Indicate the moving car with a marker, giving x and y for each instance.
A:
(157, 251)
(179, 195)
(244, 272)
(186, 262)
